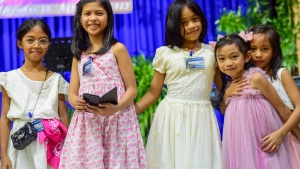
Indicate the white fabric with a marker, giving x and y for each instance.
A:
(184, 133)
(281, 91)
(23, 93)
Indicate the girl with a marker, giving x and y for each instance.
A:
(32, 92)
(250, 116)
(266, 54)
(184, 132)
(106, 135)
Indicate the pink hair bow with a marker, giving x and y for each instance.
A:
(213, 43)
(246, 36)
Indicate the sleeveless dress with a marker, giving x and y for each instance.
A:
(184, 133)
(23, 93)
(286, 100)
(249, 118)
(97, 142)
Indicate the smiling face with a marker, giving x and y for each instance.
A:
(94, 18)
(261, 51)
(231, 61)
(35, 44)
(191, 26)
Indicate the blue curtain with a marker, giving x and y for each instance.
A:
(142, 31)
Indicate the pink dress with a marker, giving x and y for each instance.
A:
(94, 141)
(248, 118)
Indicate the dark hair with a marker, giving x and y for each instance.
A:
(28, 24)
(243, 46)
(274, 38)
(173, 22)
(81, 41)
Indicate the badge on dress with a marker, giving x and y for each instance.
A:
(87, 66)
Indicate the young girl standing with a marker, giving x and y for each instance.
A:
(266, 53)
(32, 92)
(250, 117)
(107, 135)
(184, 132)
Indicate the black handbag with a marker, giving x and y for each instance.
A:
(26, 134)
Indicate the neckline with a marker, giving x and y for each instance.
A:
(22, 73)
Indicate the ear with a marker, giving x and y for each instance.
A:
(20, 45)
(247, 57)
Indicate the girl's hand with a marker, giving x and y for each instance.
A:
(236, 87)
(271, 142)
(80, 104)
(6, 163)
(103, 109)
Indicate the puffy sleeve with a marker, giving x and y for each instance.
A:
(159, 61)
(3, 80)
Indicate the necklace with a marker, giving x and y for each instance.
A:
(89, 51)
(195, 48)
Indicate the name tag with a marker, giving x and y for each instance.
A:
(195, 63)
(87, 66)
(38, 125)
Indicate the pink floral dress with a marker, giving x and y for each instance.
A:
(97, 142)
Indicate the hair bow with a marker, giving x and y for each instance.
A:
(246, 36)
(213, 43)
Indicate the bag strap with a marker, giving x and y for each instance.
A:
(31, 114)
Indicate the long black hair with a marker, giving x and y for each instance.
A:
(274, 38)
(243, 47)
(173, 22)
(81, 42)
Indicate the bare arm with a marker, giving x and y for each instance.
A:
(235, 88)
(153, 93)
(62, 110)
(273, 140)
(127, 73)
(5, 130)
(75, 101)
(294, 95)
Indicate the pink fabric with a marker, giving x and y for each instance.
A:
(295, 144)
(94, 141)
(249, 118)
(53, 135)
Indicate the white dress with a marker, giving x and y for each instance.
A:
(184, 133)
(23, 93)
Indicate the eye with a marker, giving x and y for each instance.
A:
(30, 40)
(252, 49)
(183, 23)
(86, 13)
(220, 59)
(196, 18)
(265, 49)
(235, 56)
(44, 41)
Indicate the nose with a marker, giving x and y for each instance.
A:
(93, 17)
(191, 25)
(229, 63)
(258, 54)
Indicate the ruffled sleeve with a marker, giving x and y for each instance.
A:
(3, 80)
(159, 61)
(63, 86)
(248, 92)
(248, 74)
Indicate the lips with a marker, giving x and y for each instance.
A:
(258, 62)
(193, 32)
